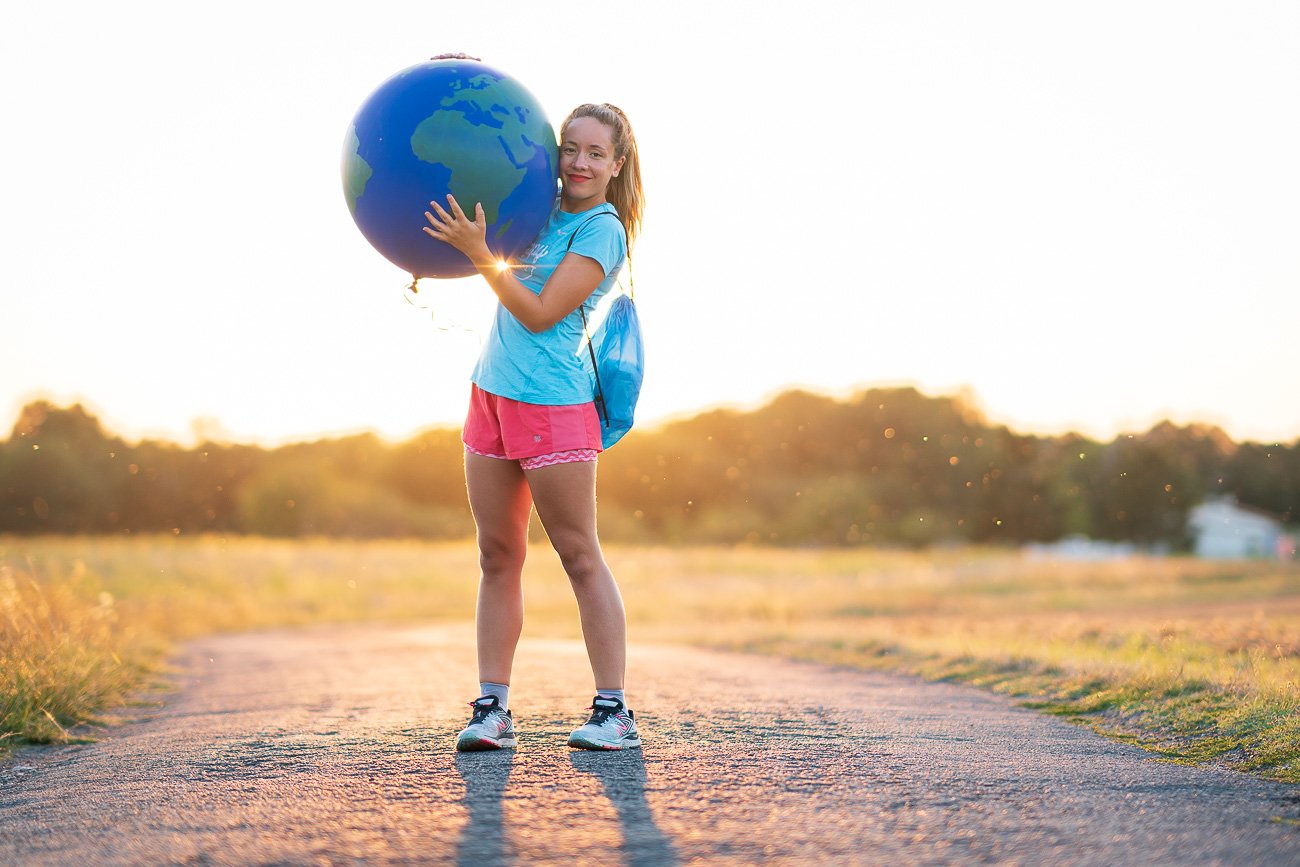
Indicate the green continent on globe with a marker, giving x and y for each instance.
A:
(356, 171)
(503, 136)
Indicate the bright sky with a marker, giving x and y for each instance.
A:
(1088, 214)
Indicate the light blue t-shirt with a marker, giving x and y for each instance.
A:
(544, 368)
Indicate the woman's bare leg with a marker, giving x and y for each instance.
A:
(565, 497)
(500, 500)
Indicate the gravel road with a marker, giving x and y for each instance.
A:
(334, 746)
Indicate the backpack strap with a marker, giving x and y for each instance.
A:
(582, 309)
(600, 392)
(574, 236)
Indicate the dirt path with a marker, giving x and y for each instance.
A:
(334, 747)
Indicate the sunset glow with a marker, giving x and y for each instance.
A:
(1088, 226)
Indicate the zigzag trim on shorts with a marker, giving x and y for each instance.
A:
(565, 457)
(568, 456)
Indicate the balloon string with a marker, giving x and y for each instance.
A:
(414, 289)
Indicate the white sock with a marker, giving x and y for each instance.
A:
(500, 690)
(613, 693)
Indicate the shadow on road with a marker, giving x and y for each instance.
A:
(623, 776)
(483, 841)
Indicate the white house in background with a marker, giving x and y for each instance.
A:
(1224, 529)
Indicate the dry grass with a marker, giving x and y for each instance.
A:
(59, 654)
(84, 622)
(1198, 660)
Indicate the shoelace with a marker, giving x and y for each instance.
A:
(481, 712)
(600, 714)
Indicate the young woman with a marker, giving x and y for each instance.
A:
(532, 433)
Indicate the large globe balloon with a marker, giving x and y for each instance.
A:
(448, 126)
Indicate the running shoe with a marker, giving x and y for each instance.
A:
(611, 727)
(491, 728)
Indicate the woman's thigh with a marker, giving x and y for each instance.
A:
(500, 500)
(565, 497)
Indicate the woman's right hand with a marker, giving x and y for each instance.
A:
(466, 235)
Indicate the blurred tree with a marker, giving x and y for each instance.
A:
(886, 466)
(1264, 476)
(59, 472)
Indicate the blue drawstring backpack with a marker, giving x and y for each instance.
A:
(615, 361)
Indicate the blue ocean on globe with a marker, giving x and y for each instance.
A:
(449, 126)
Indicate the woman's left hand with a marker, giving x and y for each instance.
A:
(466, 235)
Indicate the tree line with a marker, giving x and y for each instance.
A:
(885, 466)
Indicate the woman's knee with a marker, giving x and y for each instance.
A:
(498, 556)
(579, 554)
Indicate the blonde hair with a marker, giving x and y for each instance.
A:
(624, 191)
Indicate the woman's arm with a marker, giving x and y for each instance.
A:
(575, 278)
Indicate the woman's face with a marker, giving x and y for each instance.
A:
(587, 160)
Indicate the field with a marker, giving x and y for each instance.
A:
(1197, 660)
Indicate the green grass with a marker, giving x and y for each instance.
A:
(1197, 661)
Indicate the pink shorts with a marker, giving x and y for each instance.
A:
(534, 435)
